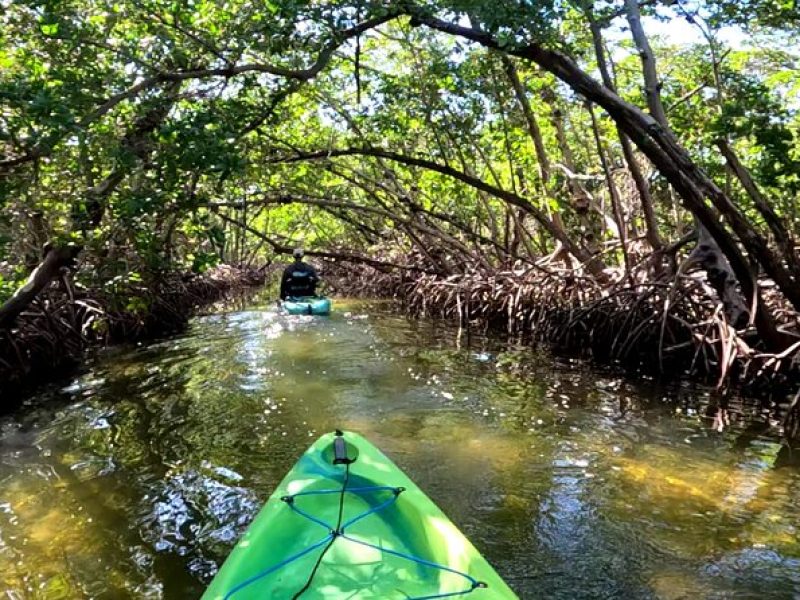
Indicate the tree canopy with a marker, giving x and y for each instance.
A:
(159, 135)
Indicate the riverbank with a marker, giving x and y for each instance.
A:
(662, 329)
(52, 335)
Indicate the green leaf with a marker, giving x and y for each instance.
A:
(6, 59)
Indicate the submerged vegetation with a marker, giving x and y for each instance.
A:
(571, 170)
(136, 480)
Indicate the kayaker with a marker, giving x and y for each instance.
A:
(299, 279)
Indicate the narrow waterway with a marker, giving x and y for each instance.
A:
(135, 480)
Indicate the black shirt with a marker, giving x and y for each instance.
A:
(299, 279)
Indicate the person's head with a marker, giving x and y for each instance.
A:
(298, 254)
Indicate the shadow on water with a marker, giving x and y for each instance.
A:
(136, 478)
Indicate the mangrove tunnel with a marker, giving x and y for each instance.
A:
(559, 239)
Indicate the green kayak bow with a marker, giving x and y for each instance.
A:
(347, 523)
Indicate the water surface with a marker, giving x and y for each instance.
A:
(136, 479)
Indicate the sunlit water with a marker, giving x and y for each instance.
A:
(135, 480)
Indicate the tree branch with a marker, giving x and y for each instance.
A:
(660, 146)
(323, 58)
(55, 259)
(343, 256)
(471, 181)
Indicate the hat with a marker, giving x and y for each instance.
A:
(297, 253)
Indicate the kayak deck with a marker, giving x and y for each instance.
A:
(307, 305)
(360, 530)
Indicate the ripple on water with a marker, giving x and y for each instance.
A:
(191, 511)
(135, 480)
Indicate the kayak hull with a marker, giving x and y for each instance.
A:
(382, 538)
(308, 305)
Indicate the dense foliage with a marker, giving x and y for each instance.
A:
(168, 135)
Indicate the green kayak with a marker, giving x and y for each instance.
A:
(307, 305)
(347, 523)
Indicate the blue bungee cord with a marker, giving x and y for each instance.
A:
(339, 532)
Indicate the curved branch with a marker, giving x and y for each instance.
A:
(279, 248)
(509, 197)
(671, 159)
(302, 75)
(415, 207)
(437, 233)
(55, 259)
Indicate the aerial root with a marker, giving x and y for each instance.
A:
(64, 321)
(656, 327)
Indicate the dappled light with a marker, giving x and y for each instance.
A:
(617, 179)
(543, 254)
(148, 468)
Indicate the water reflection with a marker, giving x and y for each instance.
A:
(135, 479)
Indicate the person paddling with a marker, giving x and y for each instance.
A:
(299, 279)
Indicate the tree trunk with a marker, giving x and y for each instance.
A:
(652, 87)
(88, 212)
(541, 153)
(708, 253)
(581, 199)
(530, 120)
(613, 192)
(55, 259)
(642, 186)
(782, 237)
(674, 163)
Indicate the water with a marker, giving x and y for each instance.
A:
(135, 480)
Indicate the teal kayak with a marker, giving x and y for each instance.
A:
(307, 305)
(346, 522)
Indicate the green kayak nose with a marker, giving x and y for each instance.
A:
(346, 522)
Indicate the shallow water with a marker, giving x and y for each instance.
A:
(135, 480)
